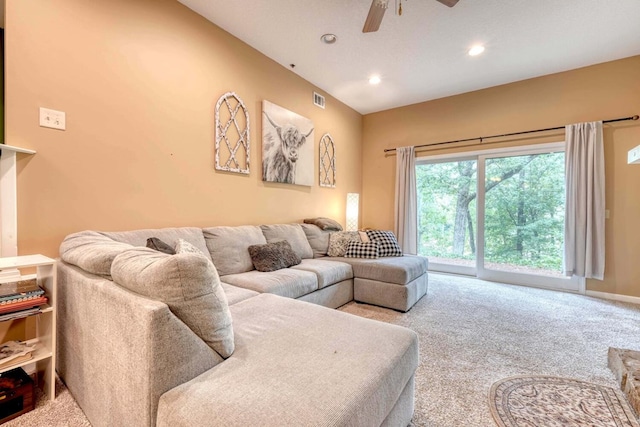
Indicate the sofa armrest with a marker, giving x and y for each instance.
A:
(118, 352)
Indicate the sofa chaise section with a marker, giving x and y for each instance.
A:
(392, 282)
(301, 364)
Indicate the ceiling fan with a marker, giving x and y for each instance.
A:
(379, 7)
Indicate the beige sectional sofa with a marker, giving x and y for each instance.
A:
(129, 360)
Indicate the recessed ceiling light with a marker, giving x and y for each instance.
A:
(476, 50)
(329, 38)
(374, 80)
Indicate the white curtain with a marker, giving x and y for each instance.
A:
(584, 218)
(406, 215)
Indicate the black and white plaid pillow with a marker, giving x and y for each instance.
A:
(387, 242)
(362, 250)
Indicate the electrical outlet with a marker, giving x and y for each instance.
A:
(52, 119)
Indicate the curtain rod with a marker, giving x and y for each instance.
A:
(481, 138)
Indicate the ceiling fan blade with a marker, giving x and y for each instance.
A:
(374, 18)
(449, 3)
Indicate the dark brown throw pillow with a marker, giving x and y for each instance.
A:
(324, 223)
(273, 256)
(160, 246)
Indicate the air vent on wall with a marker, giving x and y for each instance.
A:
(318, 100)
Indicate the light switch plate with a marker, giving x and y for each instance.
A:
(52, 119)
(634, 155)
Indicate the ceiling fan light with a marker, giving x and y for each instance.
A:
(476, 50)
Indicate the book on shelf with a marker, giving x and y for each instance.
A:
(21, 290)
(12, 306)
(12, 352)
(14, 315)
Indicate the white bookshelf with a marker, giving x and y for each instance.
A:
(8, 198)
(45, 340)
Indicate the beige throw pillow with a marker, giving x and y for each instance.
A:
(187, 282)
(339, 241)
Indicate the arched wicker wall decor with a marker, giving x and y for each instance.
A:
(237, 145)
(327, 161)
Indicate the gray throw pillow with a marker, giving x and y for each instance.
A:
(339, 241)
(273, 256)
(160, 246)
(187, 282)
(324, 223)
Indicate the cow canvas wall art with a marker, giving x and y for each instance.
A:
(287, 146)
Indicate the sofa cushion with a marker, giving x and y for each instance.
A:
(287, 282)
(367, 250)
(273, 256)
(324, 223)
(390, 295)
(170, 236)
(339, 241)
(236, 294)
(345, 370)
(187, 282)
(228, 247)
(293, 234)
(387, 242)
(160, 246)
(328, 272)
(318, 239)
(92, 251)
(398, 270)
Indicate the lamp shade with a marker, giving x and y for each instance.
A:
(353, 201)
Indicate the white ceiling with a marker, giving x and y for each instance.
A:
(422, 55)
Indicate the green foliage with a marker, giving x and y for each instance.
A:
(438, 186)
(524, 209)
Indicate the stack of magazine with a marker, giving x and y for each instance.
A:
(20, 299)
(13, 352)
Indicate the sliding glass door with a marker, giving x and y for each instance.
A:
(447, 214)
(498, 215)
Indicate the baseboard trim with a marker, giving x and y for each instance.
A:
(614, 297)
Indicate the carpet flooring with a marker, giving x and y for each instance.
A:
(473, 334)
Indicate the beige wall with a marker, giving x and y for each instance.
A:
(604, 91)
(138, 81)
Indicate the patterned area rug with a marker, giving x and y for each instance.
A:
(529, 401)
